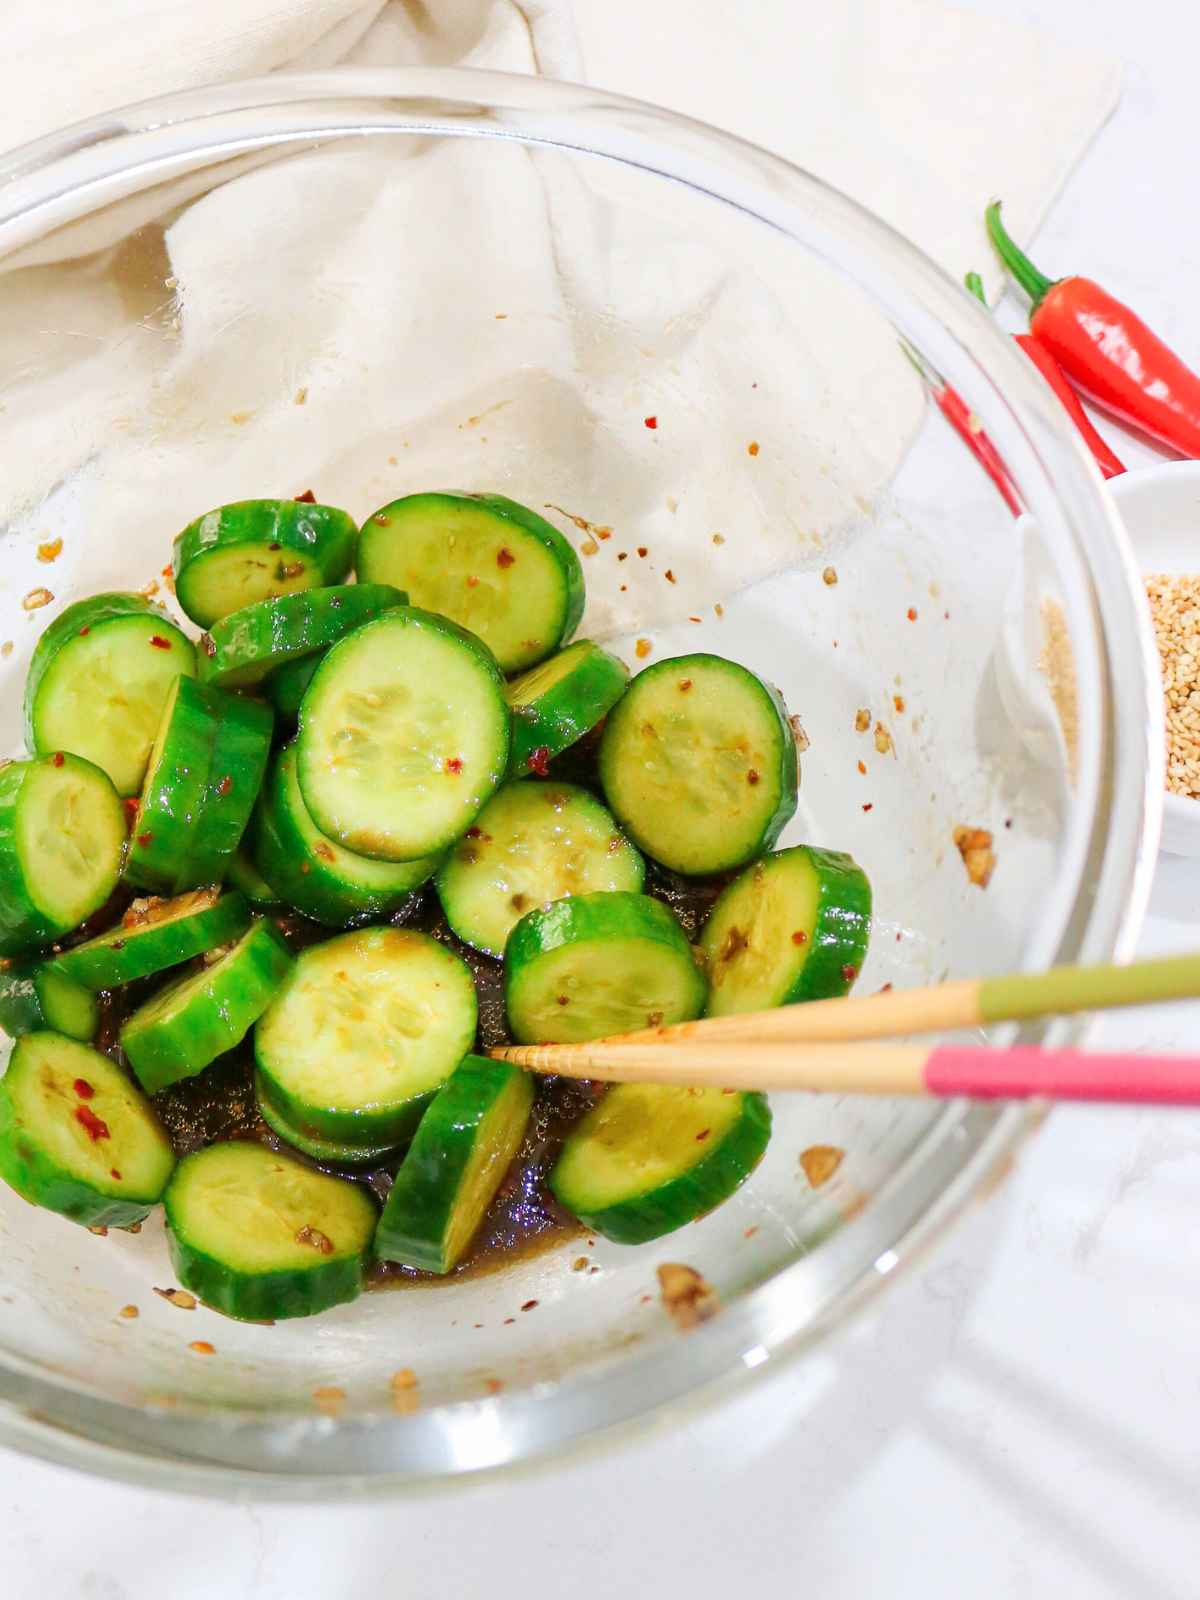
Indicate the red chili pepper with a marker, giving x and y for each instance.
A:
(967, 425)
(1107, 351)
(1054, 375)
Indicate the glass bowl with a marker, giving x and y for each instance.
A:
(600, 262)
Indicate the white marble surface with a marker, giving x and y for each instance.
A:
(1016, 1419)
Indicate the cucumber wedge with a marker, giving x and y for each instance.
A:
(327, 1151)
(598, 964)
(249, 645)
(532, 843)
(651, 1157)
(794, 926)
(362, 1035)
(403, 736)
(197, 1018)
(98, 680)
(77, 1137)
(285, 686)
(241, 874)
(62, 836)
(201, 783)
(258, 549)
(260, 1237)
(698, 764)
(455, 1164)
(491, 565)
(153, 935)
(556, 703)
(316, 875)
(36, 996)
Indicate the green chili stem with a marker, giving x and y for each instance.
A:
(1034, 283)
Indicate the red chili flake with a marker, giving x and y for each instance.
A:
(83, 632)
(130, 807)
(564, 1000)
(275, 546)
(113, 1173)
(474, 833)
(684, 685)
(799, 937)
(1008, 822)
(652, 422)
(898, 702)
(752, 777)
(849, 973)
(529, 1305)
(868, 806)
(472, 582)
(493, 1385)
(87, 1118)
(669, 575)
(537, 761)
(308, 498)
(453, 764)
(508, 1321)
(83, 1088)
(159, 643)
(752, 448)
(202, 1347)
(225, 786)
(504, 557)
(58, 758)
(749, 1233)
(642, 551)
(912, 613)
(886, 989)
(702, 1135)
(145, 840)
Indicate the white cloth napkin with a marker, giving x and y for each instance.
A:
(390, 363)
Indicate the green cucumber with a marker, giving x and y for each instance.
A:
(491, 565)
(317, 875)
(258, 1236)
(201, 783)
(598, 964)
(62, 837)
(249, 645)
(652, 1157)
(698, 764)
(155, 934)
(403, 736)
(366, 1029)
(97, 682)
(327, 1151)
(35, 995)
(454, 1165)
(794, 926)
(197, 1018)
(259, 549)
(241, 874)
(556, 703)
(285, 686)
(532, 843)
(77, 1137)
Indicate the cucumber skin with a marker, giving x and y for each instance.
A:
(242, 874)
(241, 748)
(285, 686)
(326, 1151)
(568, 709)
(417, 1213)
(246, 646)
(324, 534)
(23, 1010)
(96, 965)
(90, 613)
(691, 1195)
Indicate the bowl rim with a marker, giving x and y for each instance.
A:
(67, 174)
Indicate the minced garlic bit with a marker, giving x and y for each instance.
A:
(50, 551)
(798, 733)
(883, 739)
(178, 1297)
(862, 720)
(829, 577)
(1175, 611)
(149, 590)
(688, 1297)
(36, 599)
(579, 1264)
(820, 1162)
(975, 847)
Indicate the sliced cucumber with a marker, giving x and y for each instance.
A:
(488, 563)
(197, 1018)
(364, 1032)
(98, 680)
(201, 783)
(651, 1157)
(245, 647)
(285, 686)
(316, 875)
(153, 935)
(77, 1137)
(62, 836)
(403, 736)
(36, 995)
(258, 549)
(598, 964)
(794, 926)
(532, 843)
(328, 1151)
(258, 1236)
(455, 1164)
(556, 703)
(698, 763)
(241, 874)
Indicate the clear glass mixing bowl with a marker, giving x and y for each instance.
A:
(1008, 661)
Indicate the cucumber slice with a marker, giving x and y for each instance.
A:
(197, 1018)
(488, 563)
(98, 680)
(403, 736)
(367, 1028)
(598, 964)
(532, 843)
(241, 874)
(258, 1236)
(556, 703)
(285, 687)
(77, 1137)
(327, 1151)
(456, 1162)
(698, 763)
(35, 995)
(201, 783)
(794, 926)
(258, 549)
(62, 836)
(315, 874)
(651, 1157)
(153, 935)
(244, 648)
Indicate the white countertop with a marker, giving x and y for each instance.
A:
(1016, 1419)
